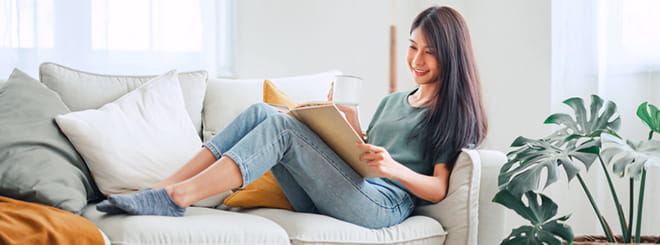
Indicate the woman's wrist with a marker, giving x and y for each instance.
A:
(348, 109)
(404, 175)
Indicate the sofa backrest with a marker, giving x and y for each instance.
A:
(226, 98)
(211, 103)
(82, 90)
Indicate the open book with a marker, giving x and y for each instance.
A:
(327, 122)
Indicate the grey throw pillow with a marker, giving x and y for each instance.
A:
(37, 162)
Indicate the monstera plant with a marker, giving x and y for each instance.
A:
(587, 137)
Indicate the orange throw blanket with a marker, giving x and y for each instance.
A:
(32, 223)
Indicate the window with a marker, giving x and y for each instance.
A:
(19, 16)
(147, 25)
(640, 38)
(119, 36)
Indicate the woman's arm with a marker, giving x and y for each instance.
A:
(430, 188)
(352, 115)
(350, 112)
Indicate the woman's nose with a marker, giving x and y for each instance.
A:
(417, 60)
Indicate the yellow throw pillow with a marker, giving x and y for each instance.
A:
(264, 191)
(272, 95)
(34, 223)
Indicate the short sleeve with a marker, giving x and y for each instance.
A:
(377, 115)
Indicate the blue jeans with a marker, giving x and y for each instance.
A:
(313, 177)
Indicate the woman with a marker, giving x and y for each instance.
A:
(413, 141)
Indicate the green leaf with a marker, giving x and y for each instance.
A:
(520, 141)
(650, 115)
(577, 104)
(600, 119)
(521, 236)
(513, 202)
(535, 212)
(629, 157)
(656, 116)
(548, 238)
(643, 113)
(562, 230)
(523, 170)
(619, 166)
(543, 230)
(561, 119)
(543, 211)
(596, 104)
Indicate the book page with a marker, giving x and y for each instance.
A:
(314, 103)
(329, 124)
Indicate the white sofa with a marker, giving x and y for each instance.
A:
(466, 217)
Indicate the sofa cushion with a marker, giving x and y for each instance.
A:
(83, 90)
(136, 141)
(306, 228)
(37, 163)
(197, 226)
(226, 98)
(458, 212)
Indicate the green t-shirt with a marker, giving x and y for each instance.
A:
(392, 125)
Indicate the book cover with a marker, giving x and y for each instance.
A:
(327, 122)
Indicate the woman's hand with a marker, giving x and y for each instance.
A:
(346, 109)
(331, 93)
(380, 161)
(350, 112)
(430, 188)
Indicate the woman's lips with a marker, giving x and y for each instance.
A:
(420, 73)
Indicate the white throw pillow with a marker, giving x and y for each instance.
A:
(226, 98)
(82, 90)
(137, 140)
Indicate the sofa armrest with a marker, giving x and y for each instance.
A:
(467, 208)
(491, 215)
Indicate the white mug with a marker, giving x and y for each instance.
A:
(347, 90)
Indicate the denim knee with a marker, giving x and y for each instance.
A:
(240, 126)
(285, 121)
(261, 108)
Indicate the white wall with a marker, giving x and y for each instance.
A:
(512, 43)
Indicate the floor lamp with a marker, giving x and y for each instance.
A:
(393, 48)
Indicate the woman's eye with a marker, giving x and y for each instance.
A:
(413, 47)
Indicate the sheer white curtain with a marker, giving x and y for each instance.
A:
(118, 36)
(610, 48)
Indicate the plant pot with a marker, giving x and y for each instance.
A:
(600, 240)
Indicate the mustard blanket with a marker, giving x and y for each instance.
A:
(32, 223)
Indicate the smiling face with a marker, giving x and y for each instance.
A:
(422, 60)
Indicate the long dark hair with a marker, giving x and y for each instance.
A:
(456, 117)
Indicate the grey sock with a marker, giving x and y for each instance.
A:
(147, 202)
(107, 207)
